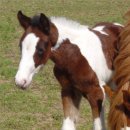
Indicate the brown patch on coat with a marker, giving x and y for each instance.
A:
(110, 41)
(70, 61)
(53, 34)
(69, 58)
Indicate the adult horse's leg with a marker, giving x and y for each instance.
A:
(96, 97)
(71, 98)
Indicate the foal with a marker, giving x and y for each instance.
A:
(83, 60)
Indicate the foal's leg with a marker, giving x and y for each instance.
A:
(96, 97)
(71, 98)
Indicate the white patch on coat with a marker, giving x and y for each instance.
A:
(68, 124)
(27, 68)
(97, 124)
(127, 128)
(100, 29)
(89, 44)
(118, 24)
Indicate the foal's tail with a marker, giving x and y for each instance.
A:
(117, 118)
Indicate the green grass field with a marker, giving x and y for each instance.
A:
(39, 107)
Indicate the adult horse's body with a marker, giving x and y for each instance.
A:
(83, 60)
(119, 115)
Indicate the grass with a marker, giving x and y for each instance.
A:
(40, 108)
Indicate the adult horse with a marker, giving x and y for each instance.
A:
(119, 115)
(83, 60)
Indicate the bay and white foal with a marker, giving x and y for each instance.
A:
(83, 60)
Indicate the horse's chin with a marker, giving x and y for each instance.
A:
(25, 86)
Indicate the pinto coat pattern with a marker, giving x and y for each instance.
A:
(83, 60)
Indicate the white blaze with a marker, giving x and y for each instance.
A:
(27, 68)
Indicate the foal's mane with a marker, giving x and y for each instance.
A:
(68, 23)
(117, 117)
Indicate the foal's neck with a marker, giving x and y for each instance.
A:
(69, 58)
(67, 29)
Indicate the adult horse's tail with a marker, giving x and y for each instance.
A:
(117, 117)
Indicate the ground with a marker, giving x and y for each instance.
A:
(39, 107)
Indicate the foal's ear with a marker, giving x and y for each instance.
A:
(44, 24)
(23, 20)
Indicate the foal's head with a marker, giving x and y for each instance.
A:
(35, 45)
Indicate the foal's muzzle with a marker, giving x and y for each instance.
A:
(21, 84)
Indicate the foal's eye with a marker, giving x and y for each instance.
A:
(40, 52)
